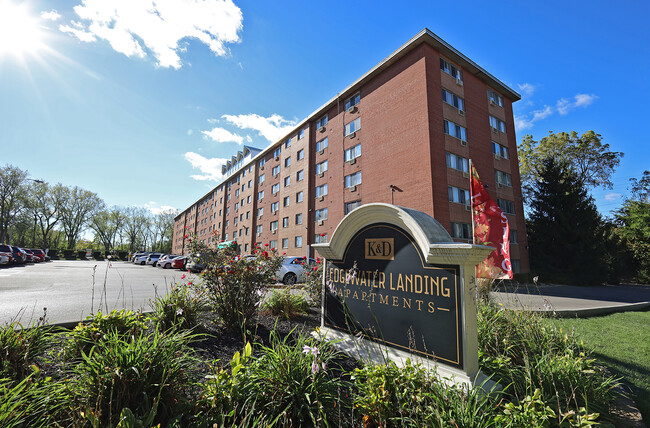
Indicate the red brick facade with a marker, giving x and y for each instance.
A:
(403, 143)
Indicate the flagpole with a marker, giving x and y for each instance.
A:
(471, 202)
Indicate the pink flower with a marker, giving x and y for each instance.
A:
(189, 283)
(315, 268)
(322, 234)
(183, 276)
(266, 245)
(310, 350)
(273, 249)
(315, 367)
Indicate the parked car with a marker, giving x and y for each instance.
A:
(135, 256)
(20, 257)
(140, 259)
(194, 263)
(4, 259)
(292, 270)
(165, 261)
(179, 262)
(30, 256)
(152, 259)
(39, 254)
(6, 251)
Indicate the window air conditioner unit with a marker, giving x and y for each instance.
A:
(277, 158)
(492, 102)
(353, 189)
(497, 156)
(320, 222)
(353, 161)
(500, 186)
(274, 230)
(461, 112)
(321, 129)
(463, 143)
(459, 82)
(352, 109)
(468, 208)
(352, 135)
(321, 175)
(496, 131)
(320, 199)
(465, 174)
(321, 152)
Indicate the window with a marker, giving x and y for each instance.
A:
(273, 244)
(227, 210)
(274, 226)
(320, 238)
(502, 178)
(287, 143)
(353, 126)
(262, 178)
(506, 206)
(248, 199)
(241, 217)
(262, 163)
(286, 201)
(353, 153)
(276, 170)
(349, 206)
(321, 167)
(353, 179)
(260, 195)
(301, 154)
(499, 150)
(228, 198)
(497, 124)
(453, 99)
(237, 192)
(277, 152)
(300, 175)
(513, 236)
(285, 222)
(321, 145)
(248, 215)
(298, 241)
(275, 206)
(287, 181)
(353, 101)
(321, 191)
(451, 69)
(321, 122)
(455, 130)
(461, 230)
(236, 206)
(275, 188)
(494, 98)
(287, 162)
(460, 196)
(321, 214)
(260, 228)
(250, 183)
(301, 134)
(227, 223)
(285, 242)
(234, 235)
(299, 218)
(457, 162)
(260, 212)
(299, 197)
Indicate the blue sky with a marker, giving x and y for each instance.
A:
(141, 103)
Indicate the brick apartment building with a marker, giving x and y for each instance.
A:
(404, 130)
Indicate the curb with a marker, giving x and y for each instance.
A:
(589, 312)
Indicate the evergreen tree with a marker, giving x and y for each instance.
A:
(565, 239)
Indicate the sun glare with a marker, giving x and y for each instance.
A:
(20, 32)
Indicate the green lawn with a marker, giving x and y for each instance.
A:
(622, 342)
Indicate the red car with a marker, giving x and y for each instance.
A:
(39, 255)
(179, 263)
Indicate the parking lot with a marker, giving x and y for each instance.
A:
(71, 290)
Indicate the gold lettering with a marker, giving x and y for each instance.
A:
(408, 283)
(445, 290)
(418, 284)
(419, 302)
(355, 296)
(382, 280)
(373, 297)
(395, 301)
(431, 308)
(391, 281)
(400, 283)
(347, 292)
(332, 276)
(383, 299)
(363, 295)
(407, 302)
(363, 279)
(435, 281)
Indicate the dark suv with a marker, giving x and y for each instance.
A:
(20, 257)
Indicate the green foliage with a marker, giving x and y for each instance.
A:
(96, 328)
(285, 304)
(389, 396)
(148, 374)
(314, 282)
(531, 412)
(180, 308)
(589, 160)
(564, 235)
(525, 352)
(235, 285)
(19, 348)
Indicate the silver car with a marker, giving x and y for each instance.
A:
(293, 270)
(152, 259)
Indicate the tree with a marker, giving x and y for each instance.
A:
(135, 226)
(164, 225)
(564, 234)
(77, 208)
(12, 190)
(633, 220)
(44, 205)
(590, 161)
(107, 224)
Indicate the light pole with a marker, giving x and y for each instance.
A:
(394, 189)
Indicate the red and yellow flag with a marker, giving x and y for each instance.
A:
(491, 228)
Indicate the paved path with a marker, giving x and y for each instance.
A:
(571, 301)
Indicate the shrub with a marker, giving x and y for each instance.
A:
(19, 347)
(98, 255)
(180, 308)
(235, 286)
(286, 304)
(147, 374)
(314, 282)
(81, 255)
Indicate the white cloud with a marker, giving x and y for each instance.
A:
(272, 128)
(221, 135)
(210, 168)
(523, 122)
(613, 196)
(563, 106)
(190, 132)
(156, 209)
(526, 89)
(142, 27)
(52, 15)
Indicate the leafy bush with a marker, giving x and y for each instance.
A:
(81, 255)
(235, 286)
(180, 308)
(286, 304)
(98, 255)
(314, 282)
(147, 374)
(19, 347)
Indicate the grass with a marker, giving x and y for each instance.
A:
(622, 342)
